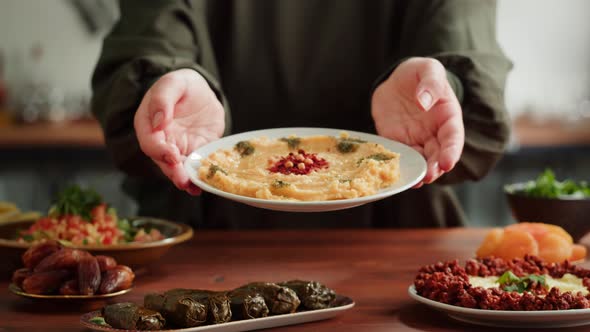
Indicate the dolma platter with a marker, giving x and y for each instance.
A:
(412, 168)
(18, 291)
(340, 305)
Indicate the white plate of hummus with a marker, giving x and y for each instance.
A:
(305, 169)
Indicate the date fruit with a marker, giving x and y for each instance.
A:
(20, 275)
(88, 275)
(106, 262)
(65, 258)
(69, 287)
(45, 282)
(119, 278)
(35, 254)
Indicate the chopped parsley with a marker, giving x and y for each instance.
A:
(292, 142)
(98, 321)
(377, 157)
(214, 169)
(75, 201)
(278, 184)
(347, 145)
(512, 283)
(245, 148)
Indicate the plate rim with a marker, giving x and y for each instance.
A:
(84, 319)
(20, 292)
(494, 313)
(382, 193)
(186, 232)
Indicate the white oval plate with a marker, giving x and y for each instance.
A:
(342, 304)
(504, 318)
(412, 169)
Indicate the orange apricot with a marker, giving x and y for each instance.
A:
(516, 243)
(578, 252)
(490, 243)
(554, 248)
(561, 232)
(537, 230)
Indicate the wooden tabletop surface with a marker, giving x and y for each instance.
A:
(373, 267)
(87, 133)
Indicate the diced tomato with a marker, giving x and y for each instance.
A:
(107, 240)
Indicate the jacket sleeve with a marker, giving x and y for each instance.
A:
(461, 34)
(148, 41)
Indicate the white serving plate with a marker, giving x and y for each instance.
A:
(412, 169)
(343, 304)
(504, 318)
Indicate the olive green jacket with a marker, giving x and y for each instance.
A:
(310, 63)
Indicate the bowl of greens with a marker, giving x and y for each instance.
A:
(546, 199)
(80, 218)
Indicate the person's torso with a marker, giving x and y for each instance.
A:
(301, 62)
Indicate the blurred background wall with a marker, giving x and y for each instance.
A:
(48, 50)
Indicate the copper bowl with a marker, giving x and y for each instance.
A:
(135, 255)
(572, 214)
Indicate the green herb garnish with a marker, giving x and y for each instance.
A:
(547, 186)
(75, 201)
(377, 156)
(214, 169)
(292, 142)
(127, 228)
(347, 145)
(278, 184)
(28, 237)
(512, 283)
(244, 148)
(98, 321)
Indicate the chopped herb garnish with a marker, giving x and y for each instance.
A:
(277, 184)
(512, 283)
(547, 186)
(75, 201)
(347, 145)
(292, 142)
(98, 321)
(377, 157)
(214, 169)
(28, 237)
(244, 148)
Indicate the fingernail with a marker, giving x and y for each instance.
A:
(157, 120)
(425, 99)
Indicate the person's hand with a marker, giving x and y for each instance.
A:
(417, 106)
(178, 114)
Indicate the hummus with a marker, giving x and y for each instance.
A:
(567, 283)
(313, 168)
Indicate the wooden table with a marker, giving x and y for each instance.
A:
(374, 267)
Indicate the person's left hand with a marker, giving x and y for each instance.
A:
(417, 106)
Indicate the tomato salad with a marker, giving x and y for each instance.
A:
(81, 218)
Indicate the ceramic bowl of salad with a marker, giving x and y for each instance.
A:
(79, 218)
(564, 203)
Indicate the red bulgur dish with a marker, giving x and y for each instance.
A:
(448, 283)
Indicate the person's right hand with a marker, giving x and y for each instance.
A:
(177, 115)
